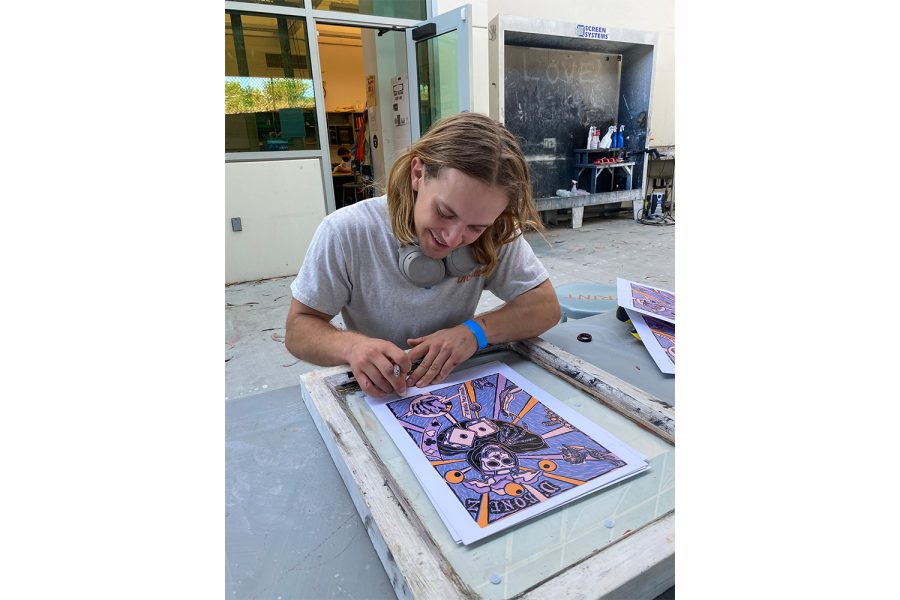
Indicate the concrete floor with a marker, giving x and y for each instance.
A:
(268, 525)
(601, 250)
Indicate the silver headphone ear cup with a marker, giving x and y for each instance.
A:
(460, 262)
(419, 269)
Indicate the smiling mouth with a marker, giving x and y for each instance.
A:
(437, 242)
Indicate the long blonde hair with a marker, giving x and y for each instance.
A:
(483, 149)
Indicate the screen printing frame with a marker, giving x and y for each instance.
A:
(640, 564)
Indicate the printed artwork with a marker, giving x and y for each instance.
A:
(658, 337)
(658, 302)
(664, 334)
(652, 312)
(499, 450)
(647, 300)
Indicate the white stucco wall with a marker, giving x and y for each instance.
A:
(280, 203)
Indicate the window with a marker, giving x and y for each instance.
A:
(291, 3)
(438, 79)
(401, 9)
(269, 98)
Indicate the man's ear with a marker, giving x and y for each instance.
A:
(416, 172)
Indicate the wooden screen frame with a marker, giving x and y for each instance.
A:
(641, 564)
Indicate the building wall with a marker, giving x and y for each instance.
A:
(642, 15)
(342, 73)
(280, 203)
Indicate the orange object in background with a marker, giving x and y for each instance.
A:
(361, 125)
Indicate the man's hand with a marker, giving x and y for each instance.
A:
(525, 316)
(441, 352)
(311, 337)
(372, 361)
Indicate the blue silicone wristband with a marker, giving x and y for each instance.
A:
(479, 333)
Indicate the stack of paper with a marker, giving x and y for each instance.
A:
(652, 311)
(491, 449)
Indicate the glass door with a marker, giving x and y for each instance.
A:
(439, 55)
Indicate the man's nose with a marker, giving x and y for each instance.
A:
(455, 234)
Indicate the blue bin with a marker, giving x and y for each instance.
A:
(579, 300)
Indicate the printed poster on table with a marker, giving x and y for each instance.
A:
(658, 337)
(645, 299)
(492, 449)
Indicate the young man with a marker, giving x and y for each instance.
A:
(457, 200)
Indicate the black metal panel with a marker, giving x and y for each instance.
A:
(240, 50)
(284, 39)
(557, 94)
(425, 31)
(634, 104)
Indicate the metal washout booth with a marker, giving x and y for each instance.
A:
(550, 81)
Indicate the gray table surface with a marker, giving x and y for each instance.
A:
(614, 349)
(291, 530)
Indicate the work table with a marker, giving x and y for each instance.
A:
(291, 527)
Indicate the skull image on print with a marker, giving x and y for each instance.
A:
(495, 460)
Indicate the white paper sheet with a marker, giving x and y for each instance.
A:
(491, 449)
(658, 337)
(646, 299)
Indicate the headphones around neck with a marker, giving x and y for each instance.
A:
(424, 271)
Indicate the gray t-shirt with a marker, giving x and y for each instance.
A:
(352, 267)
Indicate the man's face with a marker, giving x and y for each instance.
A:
(452, 209)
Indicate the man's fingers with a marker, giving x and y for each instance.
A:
(366, 386)
(417, 375)
(398, 366)
(400, 361)
(448, 367)
(416, 352)
(398, 380)
(377, 382)
(432, 371)
(387, 373)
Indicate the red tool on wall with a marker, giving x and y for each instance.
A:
(361, 122)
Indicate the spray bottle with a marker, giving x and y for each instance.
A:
(606, 142)
(590, 140)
